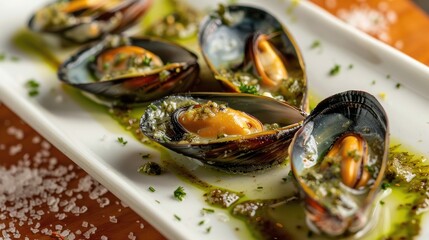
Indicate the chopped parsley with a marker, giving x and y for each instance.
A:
(208, 210)
(153, 107)
(32, 87)
(145, 156)
(177, 217)
(260, 188)
(388, 76)
(152, 189)
(373, 82)
(201, 223)
(385, 186)
(208, 229)
(150, 168)
(335, 70)
(251, 89)
(381, 202)
(179, 193)
(350, 66)
(398, 85)
(315, 44)
(289, 176)
(122, 141)
(147, 60)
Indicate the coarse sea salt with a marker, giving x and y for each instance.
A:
(37, 181)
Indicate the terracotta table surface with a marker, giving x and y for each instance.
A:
(69, 202)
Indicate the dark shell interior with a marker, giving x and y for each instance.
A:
(75, 72)
(224, 45)
(343, 113)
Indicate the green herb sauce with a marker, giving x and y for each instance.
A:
(283, 217)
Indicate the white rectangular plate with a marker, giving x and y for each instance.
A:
(88, 136)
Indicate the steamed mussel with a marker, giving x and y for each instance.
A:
(250, 51)
(131, 69)
(82, 21)
(338, 158)
(231, 131)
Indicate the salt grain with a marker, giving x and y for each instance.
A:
(113, 219)
(103, 202)
(88, 233)
(17, 133)
(13, 150)
(45, 145)
(71, 236)
(131, 236)
(36, 140)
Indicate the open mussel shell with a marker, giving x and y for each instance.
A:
(81, 21)
(339, 158)
(177, 75)
(235, 153)
(249, 50)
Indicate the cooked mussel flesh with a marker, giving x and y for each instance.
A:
(249, 50)
(230, 131)
(338, 158)
(81, 21)
(129, 69)
(207, 120)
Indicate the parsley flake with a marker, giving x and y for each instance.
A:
(122, 141)
(177, 217)
(335, 70)
(208, 229)
(208, 210)
(315, 44)
(251, 89)
(147, 60)
(32, 87)
(180, 193)
(201, 223)
(385, 186)
(152, 189)
(145, 156)
(398, 85)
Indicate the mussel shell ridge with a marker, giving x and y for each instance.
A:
(350, 112)
(235, 153)
(76, 72)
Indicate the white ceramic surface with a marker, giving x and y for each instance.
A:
(88, 136)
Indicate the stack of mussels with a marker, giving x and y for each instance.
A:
(337, 152)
